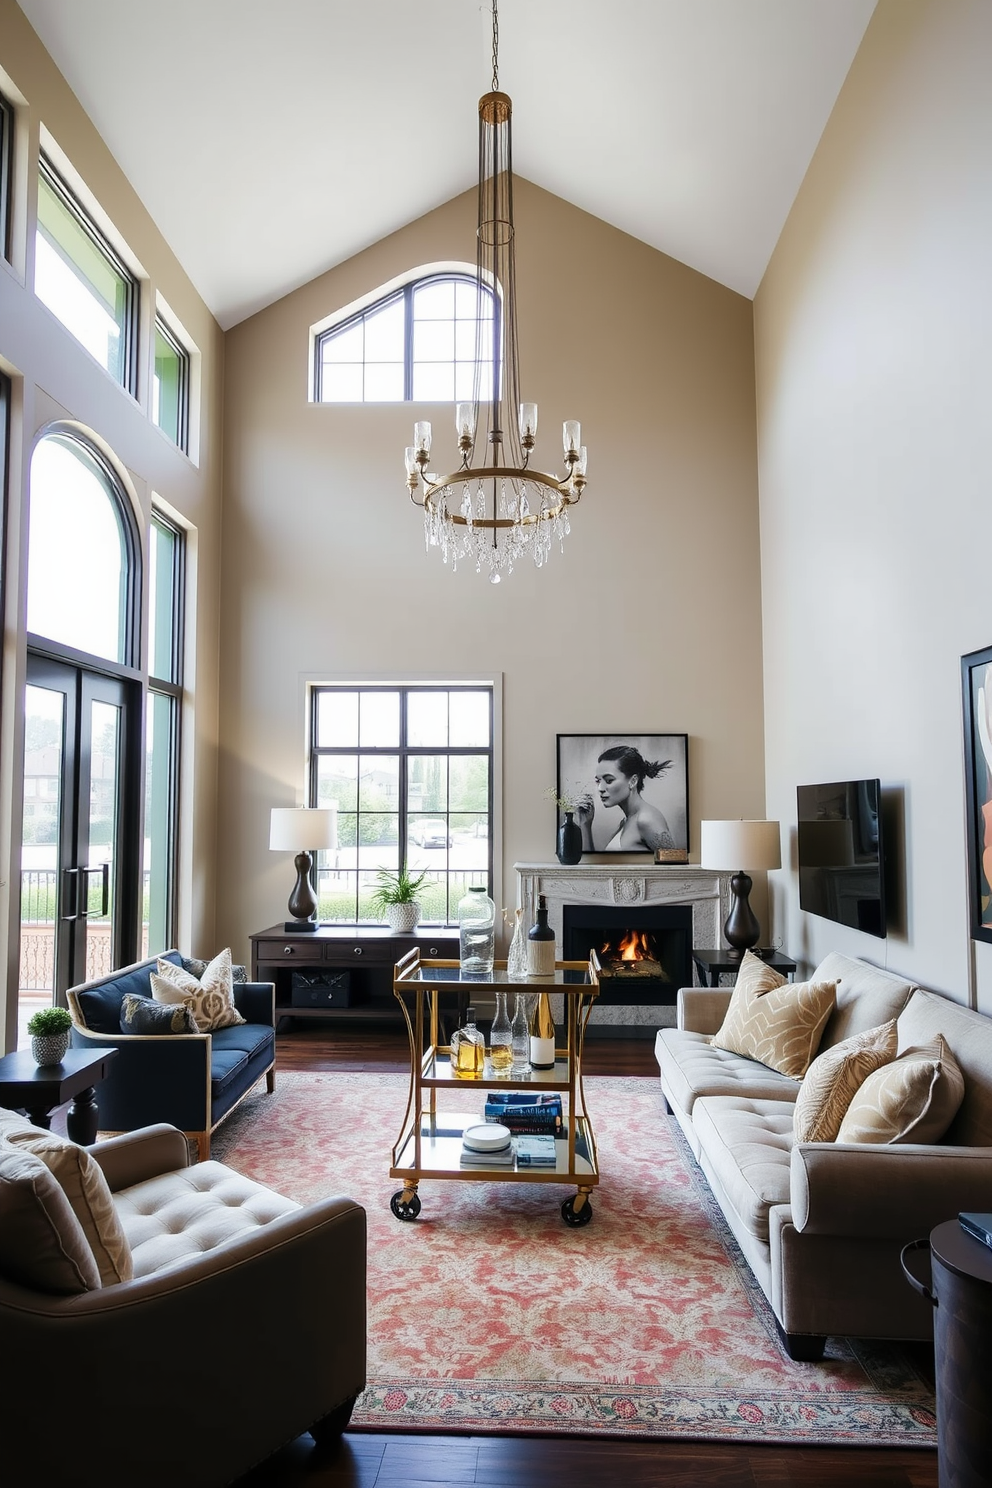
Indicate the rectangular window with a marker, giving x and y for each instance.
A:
(6, 172)
(83, 281)
(170, 385)
(166, 567)
(409, 773)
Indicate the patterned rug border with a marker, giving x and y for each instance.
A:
(529, 1407)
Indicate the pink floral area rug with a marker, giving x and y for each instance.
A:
(489, 1314)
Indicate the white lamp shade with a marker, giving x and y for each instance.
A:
(731, 846)
(302, 828)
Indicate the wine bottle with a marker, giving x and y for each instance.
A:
(542, 1034)
(541, 943)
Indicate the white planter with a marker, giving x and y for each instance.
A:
(402, 917)
(50, 1048)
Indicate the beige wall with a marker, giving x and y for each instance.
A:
(650, 621)
(54, 378)
(873, 327)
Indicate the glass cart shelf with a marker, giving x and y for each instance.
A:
(430, 1141)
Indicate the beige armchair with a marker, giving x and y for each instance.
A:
(239, 1324)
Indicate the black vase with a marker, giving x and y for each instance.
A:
(569, 840)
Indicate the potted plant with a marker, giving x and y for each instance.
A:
(395, 898)
(49, 1030)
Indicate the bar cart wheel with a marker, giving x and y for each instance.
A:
(577, 1211)
(406, 1205)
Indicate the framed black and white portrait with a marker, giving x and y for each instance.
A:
(629, 792)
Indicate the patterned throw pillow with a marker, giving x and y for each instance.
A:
(913, 1099)
(81, 1179)
(834, 1078)
(145, 1015)
(211, 997)
(42, 1244)
(196, 967)
(775, 1022)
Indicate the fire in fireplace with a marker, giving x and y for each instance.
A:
(632, 954)
(645, 951)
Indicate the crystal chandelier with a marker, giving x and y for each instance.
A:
(499, 510)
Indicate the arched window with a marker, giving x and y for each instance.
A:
(424, 341)
(81, 552)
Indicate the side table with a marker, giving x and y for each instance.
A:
(40, 1089)
(710, 964)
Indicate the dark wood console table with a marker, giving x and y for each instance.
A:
(367, 952)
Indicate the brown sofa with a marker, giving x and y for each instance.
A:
(242, 1326)
(821, 1224)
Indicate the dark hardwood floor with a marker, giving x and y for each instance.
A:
(409, 1461)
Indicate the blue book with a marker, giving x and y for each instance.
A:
(524, 1098)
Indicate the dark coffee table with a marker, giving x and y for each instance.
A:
(710, 964)
(40, 1089)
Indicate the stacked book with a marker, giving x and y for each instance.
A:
(487, 1146)
(531, 1113)
(535, 1152)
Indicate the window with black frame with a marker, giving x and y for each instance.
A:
(170, 385)
(6, 172)
(163, 715)
(82, 279)
(408, 772)
(427, 341)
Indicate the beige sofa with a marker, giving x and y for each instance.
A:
(164, 1323)
(821, 1224)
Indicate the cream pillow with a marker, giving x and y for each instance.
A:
(211, 997)
(834, 1078)
(81, 1179)
(41, 1242)
(913, 1099)
(775, 1022)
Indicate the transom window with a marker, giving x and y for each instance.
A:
(82, 280)
(170, 385)
(409, 772)
(424, 342)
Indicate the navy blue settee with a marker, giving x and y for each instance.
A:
(191, 1080)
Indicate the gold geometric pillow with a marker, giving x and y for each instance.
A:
(211, 997)
(913, 1099)
(775, 1022)
(834, 1078)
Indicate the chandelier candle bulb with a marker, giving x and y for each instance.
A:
(571, 437)
(422, 438)
(528, 424)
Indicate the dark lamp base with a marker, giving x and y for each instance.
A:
(293, 926)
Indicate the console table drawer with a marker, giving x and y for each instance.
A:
(295, 951)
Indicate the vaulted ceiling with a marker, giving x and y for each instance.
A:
(272, 139)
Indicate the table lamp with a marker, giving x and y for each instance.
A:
(302, 829)
(738, 845)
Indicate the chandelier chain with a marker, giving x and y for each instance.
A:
(495, 48)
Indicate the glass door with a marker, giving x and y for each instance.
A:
(78, 853)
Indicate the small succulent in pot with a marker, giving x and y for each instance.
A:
(49, 1029)
(395, 898)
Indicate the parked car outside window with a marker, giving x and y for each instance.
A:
(431, 832)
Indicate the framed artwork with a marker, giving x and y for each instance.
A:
(629, 792)
(976, 680)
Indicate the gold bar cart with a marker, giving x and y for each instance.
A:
(430, 1142)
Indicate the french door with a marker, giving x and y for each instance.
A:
(80, 877)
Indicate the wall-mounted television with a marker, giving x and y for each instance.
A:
(841, 853)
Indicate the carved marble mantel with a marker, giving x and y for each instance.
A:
(628, 883)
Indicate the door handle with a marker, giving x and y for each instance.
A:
(104, 870)
(70, 892)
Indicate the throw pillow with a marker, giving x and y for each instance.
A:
(196, 967)
(42, 1244)
(775, 1022)
(211, 997)
(913, 1099)
(834, 1078)
(81, 1179)
(145, 1015)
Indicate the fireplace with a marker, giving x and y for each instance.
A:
(644, 951)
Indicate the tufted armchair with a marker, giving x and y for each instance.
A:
(239, 1321)
(190, 1080)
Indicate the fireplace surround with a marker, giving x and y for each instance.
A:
(639, 892)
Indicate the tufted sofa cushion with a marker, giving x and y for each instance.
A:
(748, 1147)
(180, 1215)
(692, 1066)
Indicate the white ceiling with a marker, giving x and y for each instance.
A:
(272, 139)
